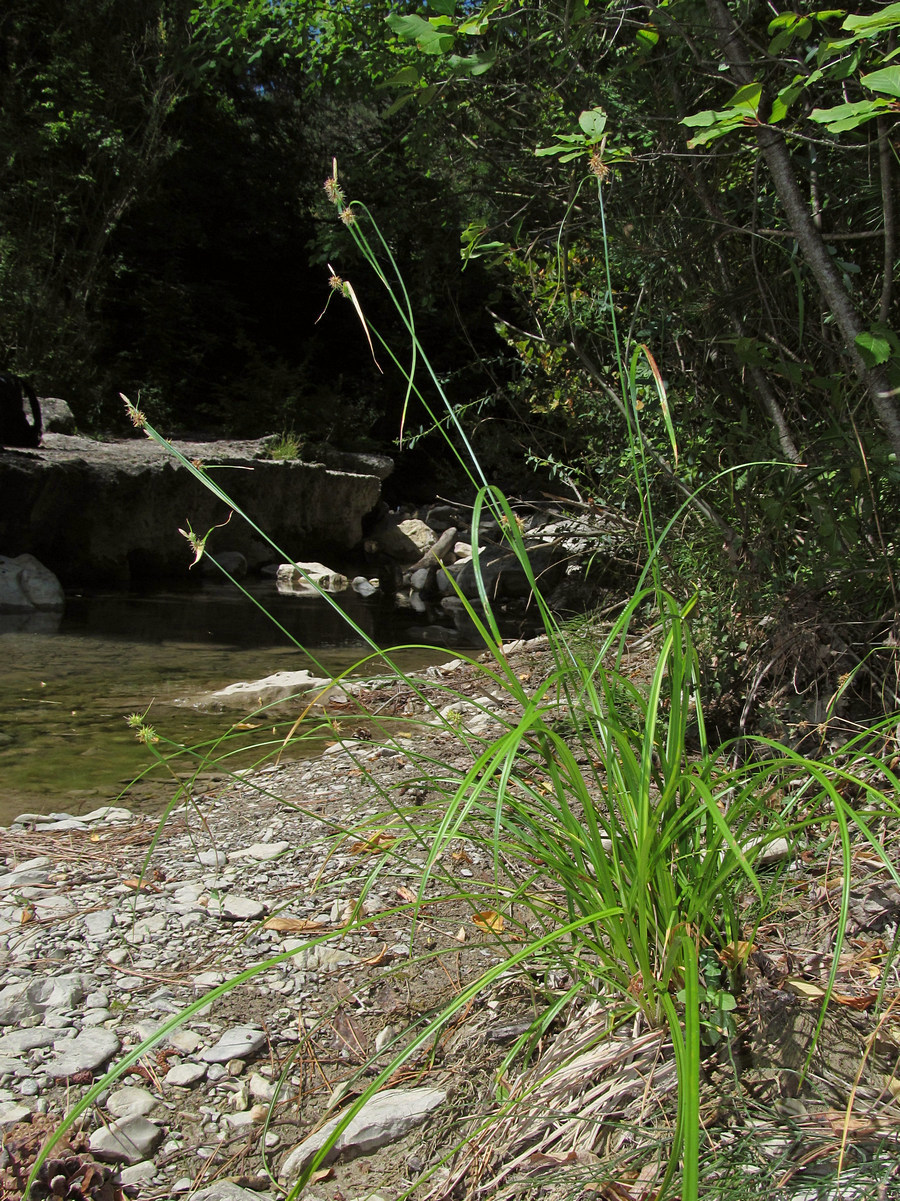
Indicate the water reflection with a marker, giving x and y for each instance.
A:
(69, 680)
(35, 621)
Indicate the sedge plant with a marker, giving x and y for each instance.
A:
(622, 842)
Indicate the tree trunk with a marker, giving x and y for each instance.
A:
(809, 238)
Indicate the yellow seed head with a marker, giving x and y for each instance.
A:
(598, 166)
(334, 191)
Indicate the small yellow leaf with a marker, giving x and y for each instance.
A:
(294, 924)
(736, 954)
(378, 842)
(489, 921)
(803, 988)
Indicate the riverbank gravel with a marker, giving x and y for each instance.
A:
(111, 923)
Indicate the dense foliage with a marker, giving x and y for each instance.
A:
(562, 184)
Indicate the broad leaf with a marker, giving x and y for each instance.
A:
(875, 346)
(886, 19)
(593, 122)
(404, 78)
(414, 29)
(887, 80)
(848, 116)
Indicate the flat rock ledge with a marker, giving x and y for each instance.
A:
(109, 512)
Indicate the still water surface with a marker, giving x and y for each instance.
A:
(66, 685)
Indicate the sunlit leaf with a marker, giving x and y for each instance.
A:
(489, 921)
(804, 988)
(294, 925)
(374, 845)
(887, 80)
(593, 122)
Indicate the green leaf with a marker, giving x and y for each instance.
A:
(647, 38)
(848, 116)
(784, 100)
(446, 7)
(405, 77)
(413, 28)
(400, 102)
(886, 19)
(707, 117)
(593, 122)
(877, 345)
(747, 97)
(887, 80)
(471, 64)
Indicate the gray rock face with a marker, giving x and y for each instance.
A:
(389, 1115)
(308, 579)
(20, 1001)
(58, 417)
(110, 512)
(224, 1190)
(236, 1043)
(280, 686)
(405, 540)
(25, 584)
(129, 1141)
(86, 1052)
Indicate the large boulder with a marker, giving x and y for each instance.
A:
(58, 418)
(110, 512)
(26, 584)
(405, 539)
(502, 573)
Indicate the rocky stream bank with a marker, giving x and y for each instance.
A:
(108, 927)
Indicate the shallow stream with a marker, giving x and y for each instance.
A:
(68, 683)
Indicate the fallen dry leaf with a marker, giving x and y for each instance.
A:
(489, 921)
(141, 885)
(378, 842)
(736, 954)
(803, 988)
(375, 960)
(866, 1001)
(406, 894)
(295, 924)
